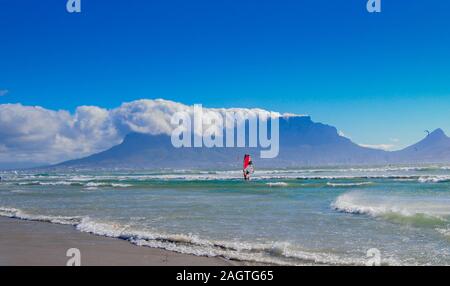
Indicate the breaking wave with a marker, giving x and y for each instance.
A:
(114, 185)
(278, 253)
(412, 210)
(434, 179)
(74, 183)
(19, 214)
(44, 183)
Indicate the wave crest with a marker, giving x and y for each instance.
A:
(277, 184)
(434, 179)
(19, 214)
(348, 184)
(412, 210)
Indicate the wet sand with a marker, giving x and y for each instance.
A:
(30, 243)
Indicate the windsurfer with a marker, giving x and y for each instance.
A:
(248, 168)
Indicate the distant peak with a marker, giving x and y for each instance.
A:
(437, 133)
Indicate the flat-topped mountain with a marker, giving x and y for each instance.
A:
(302, 143)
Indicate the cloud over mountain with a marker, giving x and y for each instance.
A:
(385, 147)
(36, 134)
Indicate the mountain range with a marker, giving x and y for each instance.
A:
(303, 143)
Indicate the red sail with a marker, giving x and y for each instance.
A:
(247, 160)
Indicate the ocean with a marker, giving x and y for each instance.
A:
(330, 216)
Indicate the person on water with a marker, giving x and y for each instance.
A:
(248, 167)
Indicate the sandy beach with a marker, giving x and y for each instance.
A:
(29, 243)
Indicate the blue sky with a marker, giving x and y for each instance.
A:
(380, 78)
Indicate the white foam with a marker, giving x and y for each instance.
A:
(46, 183)
(363, 203)
(434, 179)
(103, 184)
(93, 184)
(19, 214)
(73, 183)
(348, 184)
(277, 184)
(272, 253)
(81, 178)
(387, 172)
(116, 185)
(444, 231)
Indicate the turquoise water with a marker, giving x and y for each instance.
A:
(287, 217)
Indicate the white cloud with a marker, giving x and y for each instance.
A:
(36, 134)
(32, 133)
(342, 134)
(385, 147)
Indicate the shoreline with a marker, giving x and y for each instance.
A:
(34, 243)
